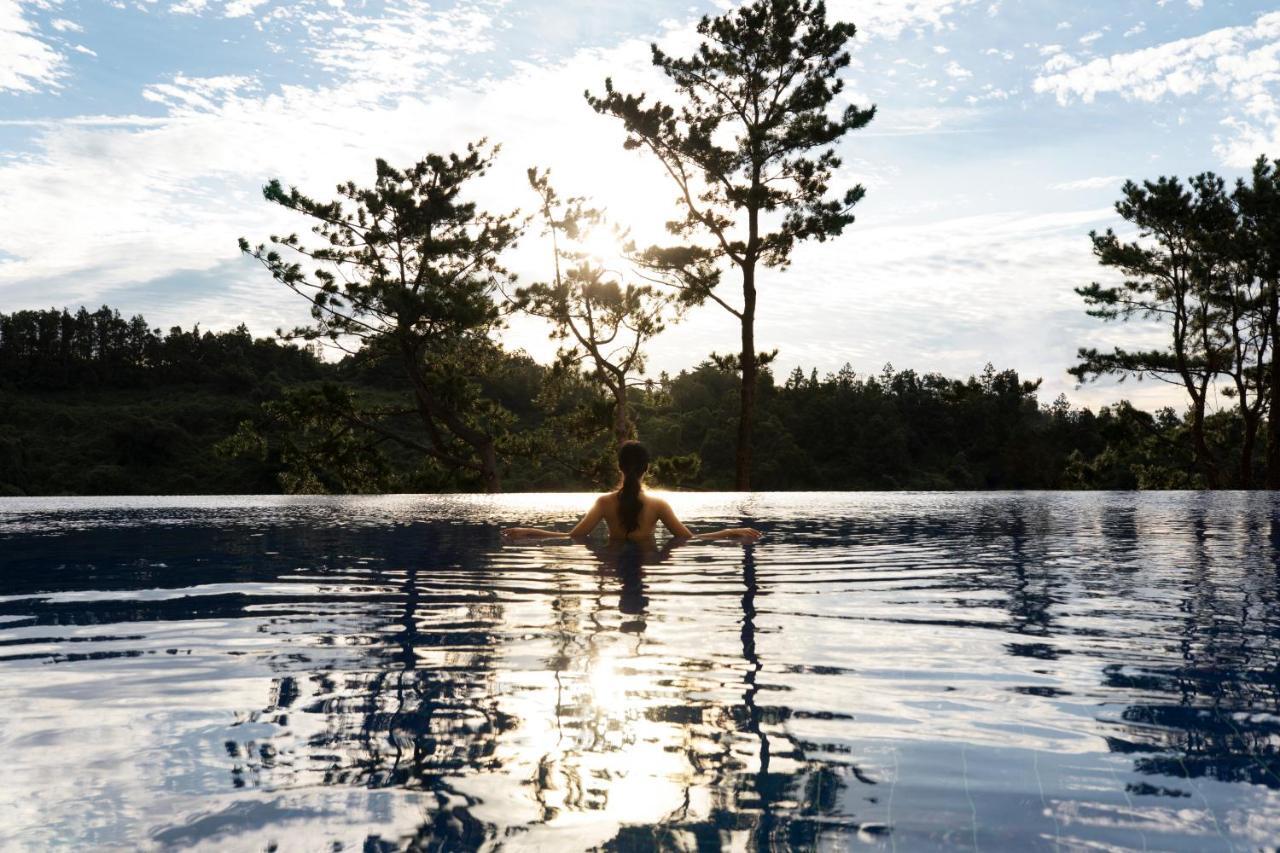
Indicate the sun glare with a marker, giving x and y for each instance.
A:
(602, 247)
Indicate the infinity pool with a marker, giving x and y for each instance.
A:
(896, 671)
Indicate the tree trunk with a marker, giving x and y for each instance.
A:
(1273, 416)
(1246, 453)
(747, 395)
(1204, 459)
(489, 472)
(621, 423)
(481, 444)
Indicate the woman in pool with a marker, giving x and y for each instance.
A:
(629, 513)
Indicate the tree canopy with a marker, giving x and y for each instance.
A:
(408, 268)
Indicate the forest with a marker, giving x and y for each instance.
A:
(94, 403)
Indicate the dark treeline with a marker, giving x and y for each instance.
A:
(57, 350)
(94, 403)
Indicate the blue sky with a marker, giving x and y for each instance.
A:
(135, 135)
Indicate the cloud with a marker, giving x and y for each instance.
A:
(241, 8)
(948, 295)
(991, 92)
(1060, 62)
(1241, 64)
(1089, 183)
(27, 63)
(198, 95)
(409, 41)
(189, 7)
(889, 19)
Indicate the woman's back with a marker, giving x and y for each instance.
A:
(651, 511)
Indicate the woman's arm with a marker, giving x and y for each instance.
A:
(669, 520)
(745, 534)
(590, 520)
(532, 533)
(582, 528)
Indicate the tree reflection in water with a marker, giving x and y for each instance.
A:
(1221, 669)
(675, 752)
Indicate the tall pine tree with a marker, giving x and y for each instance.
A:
(749, 147)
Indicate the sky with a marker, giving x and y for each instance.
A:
(135, 137)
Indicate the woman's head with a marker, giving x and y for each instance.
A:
(633, 461)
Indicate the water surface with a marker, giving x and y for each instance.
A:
(895, 671)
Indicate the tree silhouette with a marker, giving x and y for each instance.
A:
(601, 322)
(1203, 265)
(749, 149)
(408, 269)
(1169, 277)
(1259, 206)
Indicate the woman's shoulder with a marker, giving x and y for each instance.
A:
(654, 501)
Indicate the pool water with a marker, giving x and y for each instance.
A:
(1013, 671)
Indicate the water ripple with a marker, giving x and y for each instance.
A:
(901, 671)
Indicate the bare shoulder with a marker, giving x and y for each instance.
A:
(659, 504)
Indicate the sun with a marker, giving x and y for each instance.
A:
(603, 247)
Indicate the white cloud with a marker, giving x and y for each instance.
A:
(1090, 38)
(63, 25)
(1089, 183)
(189, 7)
(1060, 62)
(1136, 29)
(890, 18)
(199, 95)
(1241, 64)
(27, 63)
(240, 8)
(956, 71)
(991, 93)
(405, 44)
(961, 290)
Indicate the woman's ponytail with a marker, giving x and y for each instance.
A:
(633, 461)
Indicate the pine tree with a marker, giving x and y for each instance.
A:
(749, 147)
